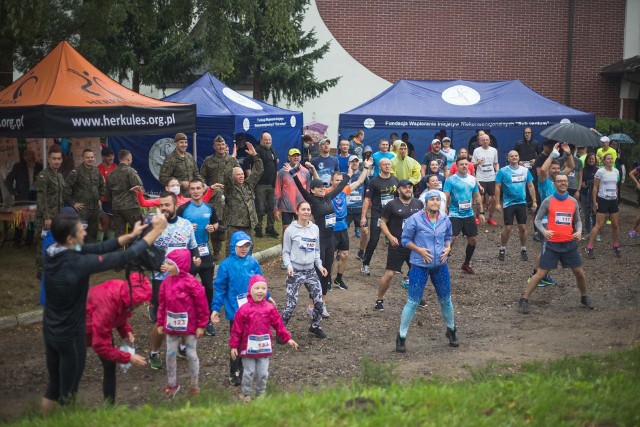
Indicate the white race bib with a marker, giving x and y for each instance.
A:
(563, 218)
(330, 220)
(517, 178)
(177, 322)
(487, 168)
(307, 244)
(259, 344)
(464, 205)
(203, 250)
(572, 174)
(242, 299)
(386, 199)
(354, 199)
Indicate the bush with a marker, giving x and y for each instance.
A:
(630, 152)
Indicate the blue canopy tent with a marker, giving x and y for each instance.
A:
(424, 107)
(219, 111)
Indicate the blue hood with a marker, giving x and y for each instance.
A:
(235, 238)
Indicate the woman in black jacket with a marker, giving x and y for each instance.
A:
(68, 263)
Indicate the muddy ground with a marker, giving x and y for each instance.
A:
(490, 329)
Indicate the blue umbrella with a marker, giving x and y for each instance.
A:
(622, 138)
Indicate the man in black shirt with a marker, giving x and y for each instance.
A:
(393, 217)
(381, 190)
(528, 150)
(266, 185)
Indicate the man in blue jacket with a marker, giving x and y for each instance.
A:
(428, 235)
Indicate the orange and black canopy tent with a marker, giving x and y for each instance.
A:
(64, 95)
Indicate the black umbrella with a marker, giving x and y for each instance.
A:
(572, 133)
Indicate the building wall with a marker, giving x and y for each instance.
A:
(487, 40)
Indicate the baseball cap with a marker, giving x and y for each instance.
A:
(294, 151)
(317, 183)
(353, 157)
(405, 182)
(435, 141)
(432, 193)
(367, 149)
(107, 151)
(604, 139)
(446, 138)
(242, 242)
(180, 137)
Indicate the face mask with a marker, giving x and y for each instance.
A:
(175, 190)
(555, 154)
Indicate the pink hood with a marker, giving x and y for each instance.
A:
(182, 259)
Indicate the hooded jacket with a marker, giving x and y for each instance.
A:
(418, 230)
(255, 320)
(301, 246)
(107, 308)
(232, 279)
(182, 303)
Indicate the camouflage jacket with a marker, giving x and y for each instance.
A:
(85, 186)
(119, 183)
(213, 171)
(182, 168)
(50, 186)
(239, 208)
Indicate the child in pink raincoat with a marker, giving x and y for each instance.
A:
(182, 313)
(251, 337)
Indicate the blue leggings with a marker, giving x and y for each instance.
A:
(418, 277)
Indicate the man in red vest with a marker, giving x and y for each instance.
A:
(563, 231)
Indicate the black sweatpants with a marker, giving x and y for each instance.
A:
(109, 381)
(327, 254)
(374, 236)
(65, 365)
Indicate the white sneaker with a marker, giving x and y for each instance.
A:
(325, 313)
(364, 270)
(598, 238)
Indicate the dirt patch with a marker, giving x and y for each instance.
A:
(489, 328)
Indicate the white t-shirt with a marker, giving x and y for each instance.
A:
(608, 188)
(485, 172)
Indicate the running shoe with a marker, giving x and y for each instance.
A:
(194, 391)
(405, 283)
(258, 233)
(451, 335)
(492, 221)
(523, 255)
(608, 221)
(586, 301)
(598, 238)
(379, 305)
(536, 237)
(633, 234)
(310, 312)
(360, 255)
(271, 232)
(523, 304)
(182, 351)
(171, 392)
(325, 313)
(155, 362)
(340, 284)
(422, 303)
(501, 254)
(318, 332)
(364, 270)
(541, 284)
(210, 330)
(477, 220)
(547, 280)
(467, 269)
(400, 345)
(235, 379)
(590, 254)
(358, 234)
(616, 251)
(586, 236)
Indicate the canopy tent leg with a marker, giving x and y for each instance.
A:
(195, 147)
(44, 153)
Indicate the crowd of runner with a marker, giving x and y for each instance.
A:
(420, 207)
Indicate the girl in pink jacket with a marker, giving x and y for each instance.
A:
(251, 337)
(182, 312)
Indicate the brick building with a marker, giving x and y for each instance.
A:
(558, 48)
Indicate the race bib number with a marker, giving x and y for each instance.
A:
(517, 178)
(464, 205)
(203, 250)
(330, 220)
(307, 244)
(354, 199)
(610, 193)
(486, 168)
(242, 299)
(386, 199)
(259, 344)
(572, 174)
(177, 322)
(563, 218)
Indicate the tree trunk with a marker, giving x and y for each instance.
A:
(135, 81)
(257, 93)
(7, 51)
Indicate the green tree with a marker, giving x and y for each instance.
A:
(274, 52)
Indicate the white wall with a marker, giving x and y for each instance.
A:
(632, 29)
(356, 86)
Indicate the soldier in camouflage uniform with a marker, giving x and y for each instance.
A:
(214, 169)
(180, 164)
(50, 187)
(123, 201)
(239, 194)
(85, 188)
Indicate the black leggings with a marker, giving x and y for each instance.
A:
(205, 271)
(65, 365)
(235, 366)
(374, 236)
(109, 381)
(327, 254)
